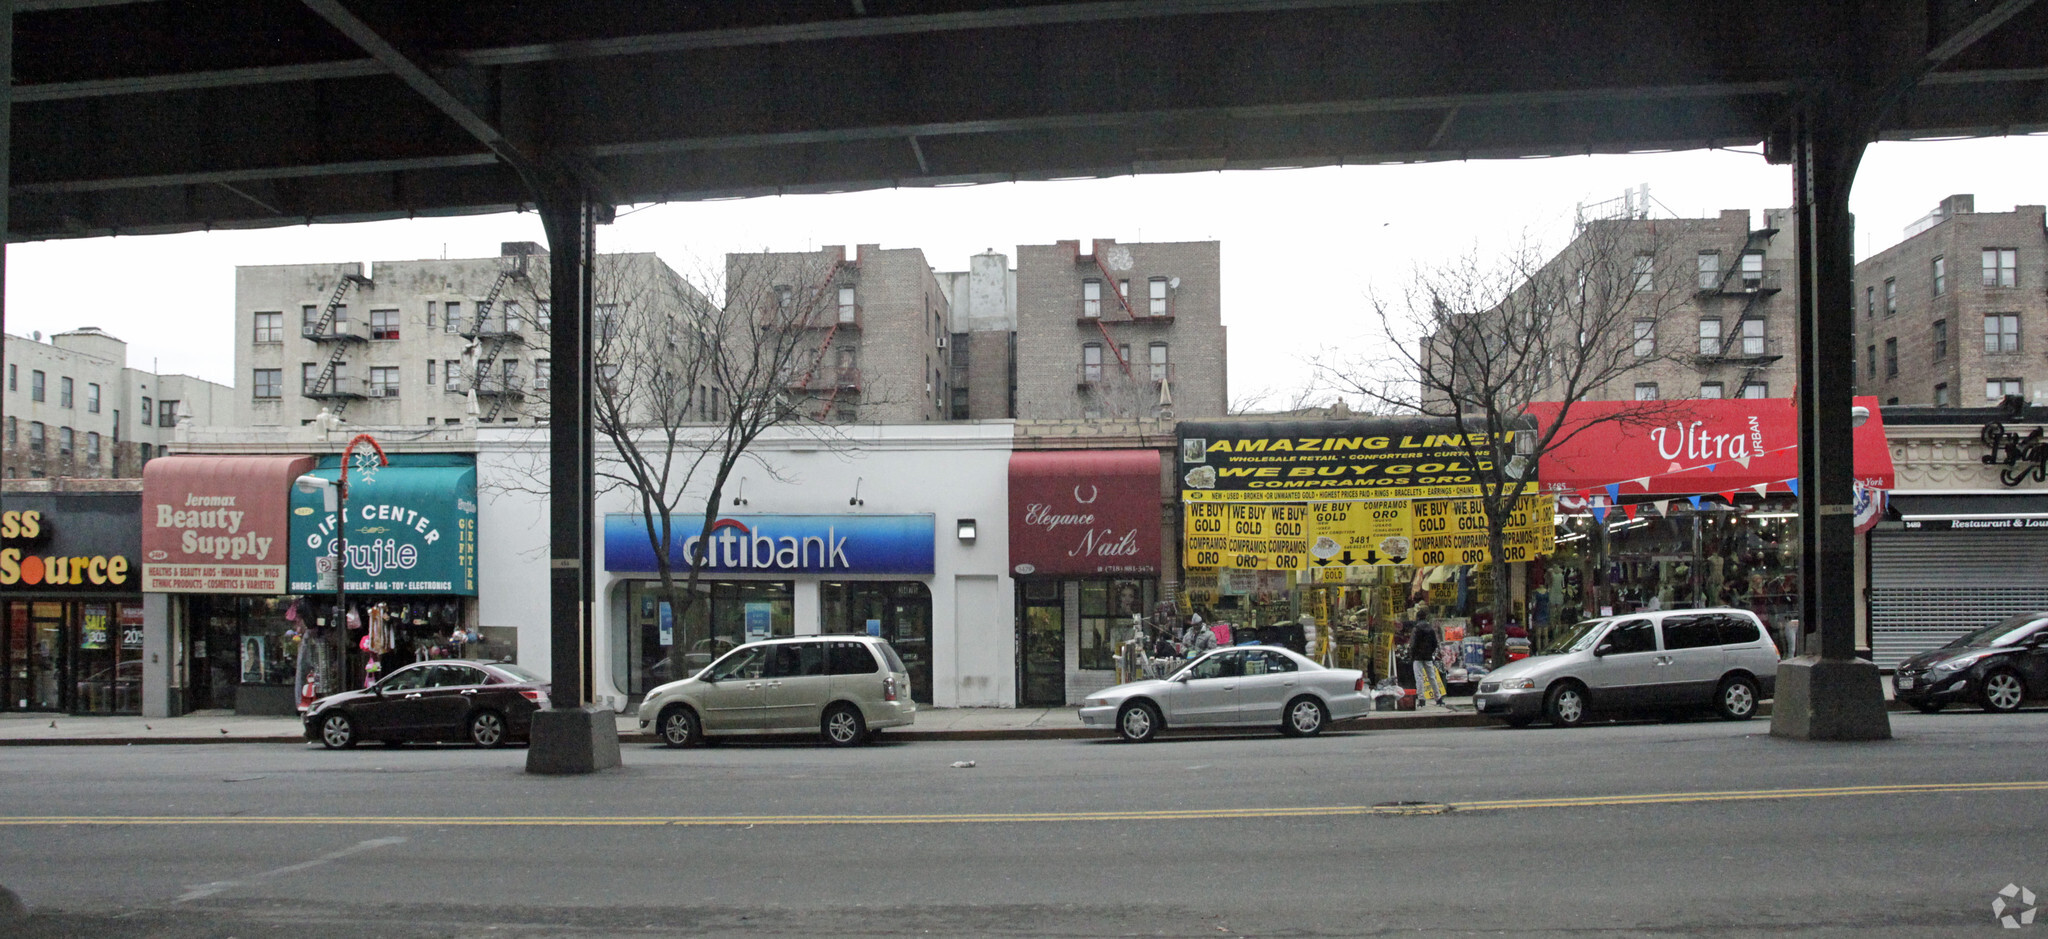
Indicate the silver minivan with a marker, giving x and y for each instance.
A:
(1667, 660)
(844, 688)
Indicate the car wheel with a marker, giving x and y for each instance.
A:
(1565, 706)
(337, 731)
(678, 727)
(1929, 707)
(1305, 717)
(2003, 691)
(1137, 722)
(487, 729)
(843, 726)
(1519, 721)
(1735, 700)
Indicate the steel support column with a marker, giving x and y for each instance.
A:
(1826, 693)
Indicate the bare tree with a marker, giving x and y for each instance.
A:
(1476, 344)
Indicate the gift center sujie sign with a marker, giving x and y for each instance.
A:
(411, 529)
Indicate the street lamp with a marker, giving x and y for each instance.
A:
(334, 498)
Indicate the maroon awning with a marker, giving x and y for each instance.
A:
(217, 524)
(1084, 512)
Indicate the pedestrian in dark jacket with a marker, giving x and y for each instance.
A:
(1422, 645)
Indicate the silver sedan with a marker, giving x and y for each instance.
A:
(1247, 686)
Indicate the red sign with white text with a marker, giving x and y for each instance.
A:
(1083, 512)
(1693, 447)
(217, 524)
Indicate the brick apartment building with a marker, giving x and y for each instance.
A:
(1725, 325)
(74, 407)
(1956, 313)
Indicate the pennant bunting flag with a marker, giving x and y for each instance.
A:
(1663, 507)
(1613, 492)
(1644, 482)
(1674, 467)
(1793, 484)
(1695, 502)
(1761, 488)
(1710, 467)
(1743, 460)
(1630, 511)
(1600, 513)
(1728, 497)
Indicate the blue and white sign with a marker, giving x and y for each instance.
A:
(780, 544)
(758, 622)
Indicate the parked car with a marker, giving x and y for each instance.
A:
(845, 688)
(1998, 667)
(1244, 686)
(1663, 661)
(488, 704)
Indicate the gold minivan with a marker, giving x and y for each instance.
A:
(845, 688)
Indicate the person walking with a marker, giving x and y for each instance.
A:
(1429, 676)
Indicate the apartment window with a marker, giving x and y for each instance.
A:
(509, 371)
(1869, 302)
(433, 372)
(269, 383)
(384, 381)
(543, 315)
(92, 447)
(270, 327)
(64, 392)
(13, 376)
(1940, 340)
(1646, 338)
(2002, 332)
(607, 315)
(1646, 391)
(36, 381)
(148, 411)
(846, 305)
(309, 375)
(13, 431)
(451, 313)
(166, 413)
(541, 368)
(1891, 358)
(2001, 267)
(1752, 270)
(1158, 286)
(309, 317)
(1710, 337)
(1995, 389)
(1870, 357)
(1891, 297)
(452, 371)
(1756, 389)
(117, 425)
(92, 397)
(785, 298)
(513, 316)
(1941, 395)
(1159, 364)
(1710, 270)
(1091, 298)
(1753, 336)
(383, 324)
(35, 436)
(63, 441)
(1938, 269)
(1646, 270)
(431, 317)
(1091, 362)
(1711, 390)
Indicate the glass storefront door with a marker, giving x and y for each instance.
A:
(653, 645)
(1043, 656)
(36, 654)
(897, 610)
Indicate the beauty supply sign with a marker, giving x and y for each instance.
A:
(217, 524)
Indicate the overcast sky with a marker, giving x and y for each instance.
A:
(1300, 247)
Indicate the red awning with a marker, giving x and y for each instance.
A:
(1085, 512)
(217, 524)
(1693, 447)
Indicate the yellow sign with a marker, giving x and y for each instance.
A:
(1361, 533)
(1453, 531)
(1247, 537)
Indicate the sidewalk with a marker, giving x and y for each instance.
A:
(43, 729)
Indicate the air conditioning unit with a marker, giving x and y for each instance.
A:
(941, 340)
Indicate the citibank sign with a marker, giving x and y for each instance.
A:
(777, 544)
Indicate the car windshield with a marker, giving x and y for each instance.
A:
(1577, 639)
(519, 674)
(2005, 632)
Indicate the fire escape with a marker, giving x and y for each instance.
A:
(1754, 284)
(838, 378)
(490, 339)
(330, 385)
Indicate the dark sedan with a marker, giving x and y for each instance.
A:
(486, 703)
(1999, 667)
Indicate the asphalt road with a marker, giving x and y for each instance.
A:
(1702, 828)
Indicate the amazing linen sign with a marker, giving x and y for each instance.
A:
(1304, 461)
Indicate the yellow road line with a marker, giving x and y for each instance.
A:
(1313, 811)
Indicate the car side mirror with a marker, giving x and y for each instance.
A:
(1602, 649)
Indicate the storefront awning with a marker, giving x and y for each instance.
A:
(1951, 508)
(217, 524)
(411, 528)
(1084, 512)
(1693, 447)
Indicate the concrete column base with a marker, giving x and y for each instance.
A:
(573, 740)
(1829, 699)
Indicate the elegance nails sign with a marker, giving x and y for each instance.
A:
(1080, 512)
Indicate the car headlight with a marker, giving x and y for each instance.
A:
(1097, 702)
(1517, 684)
(1953, 665)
